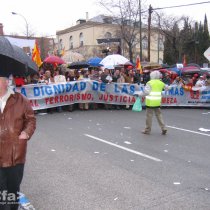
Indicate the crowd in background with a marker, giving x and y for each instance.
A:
(119, 75)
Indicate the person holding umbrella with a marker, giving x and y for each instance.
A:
(152, 92)
(17, 125)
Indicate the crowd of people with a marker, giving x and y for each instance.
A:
(118, 75)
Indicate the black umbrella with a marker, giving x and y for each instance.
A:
(78, 65)
(13, 60)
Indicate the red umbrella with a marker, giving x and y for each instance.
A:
(172, 74)
(55, 60)
(190, 70)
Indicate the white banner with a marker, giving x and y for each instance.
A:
(44, 96)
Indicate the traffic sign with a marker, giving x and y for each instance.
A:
(207, 53)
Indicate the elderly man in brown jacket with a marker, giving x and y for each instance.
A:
(17, 125)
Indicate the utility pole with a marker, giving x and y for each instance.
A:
(158, 47)
(149, 30)
(140, 31)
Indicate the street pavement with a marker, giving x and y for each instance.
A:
(100, 160)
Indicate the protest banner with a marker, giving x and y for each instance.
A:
(44, 96)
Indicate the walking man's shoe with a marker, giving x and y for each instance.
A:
(164, 132)
(145, 132)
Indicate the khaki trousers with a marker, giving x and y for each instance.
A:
(149, 115)
(84, 106)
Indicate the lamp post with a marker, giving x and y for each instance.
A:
(140, 30)
(150, 10)
(14, 13)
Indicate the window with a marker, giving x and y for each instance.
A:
(81, 40)
(161, 44)
(108, 35)
(144, 43)
(127, 22)
(71, 42)
(107, 20)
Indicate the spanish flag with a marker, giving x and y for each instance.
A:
(36, 55)
(138, 65)
(63, 52)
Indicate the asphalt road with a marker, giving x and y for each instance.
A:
(99, 160)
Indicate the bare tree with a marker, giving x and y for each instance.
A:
(29, 32)
(170, 27)
(126, 14)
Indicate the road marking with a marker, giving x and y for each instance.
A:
(182, 129)
(124, 148)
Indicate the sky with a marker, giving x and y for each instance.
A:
(45, 17)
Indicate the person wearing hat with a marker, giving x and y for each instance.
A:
(201, 82)
(17, 125)
(152, 93)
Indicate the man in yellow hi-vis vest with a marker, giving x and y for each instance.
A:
(153, 91)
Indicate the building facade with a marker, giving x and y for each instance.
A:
(99, 36)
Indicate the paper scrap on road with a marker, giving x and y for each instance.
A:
(131, 160)
(52, 150)
(165, 150)
(204, 129)
(116, 199)
(206, 113)
(127, 127)
(127, 142)
(177, 183)
(96, 152)
(69, 118)
(206, 189)
(44, 113)
(124, 148)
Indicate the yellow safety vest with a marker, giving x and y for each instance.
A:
(154, 98)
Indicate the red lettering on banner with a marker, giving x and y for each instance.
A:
(125, 99)
(194, 94)
(34, 103)
(169, 100)
(61, 99)
(56, 99)
(71, 97)
(133, 100)
(46, 100)
(66, 98)
(116, 98)
(52, 100)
